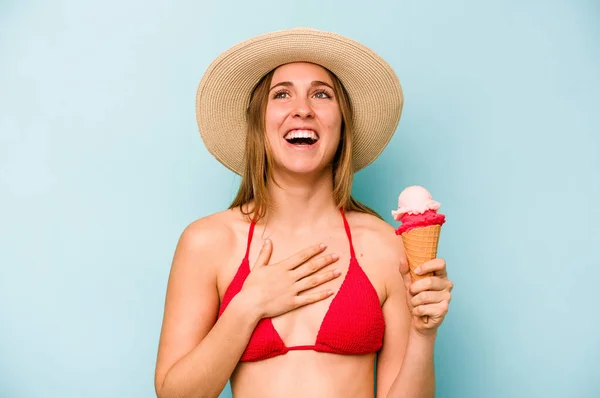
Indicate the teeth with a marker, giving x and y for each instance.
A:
(301, 134)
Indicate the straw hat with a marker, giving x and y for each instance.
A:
(224, 92)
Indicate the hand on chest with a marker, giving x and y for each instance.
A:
(354, 291)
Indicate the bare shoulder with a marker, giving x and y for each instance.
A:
(376, 236)
(378, 248)
(209, 230)
(210, 236)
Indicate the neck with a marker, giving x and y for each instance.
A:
(301, 204)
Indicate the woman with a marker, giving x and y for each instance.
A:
(294, 289)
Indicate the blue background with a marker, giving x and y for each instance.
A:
(101, 168)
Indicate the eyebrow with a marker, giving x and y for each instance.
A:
(315, 83)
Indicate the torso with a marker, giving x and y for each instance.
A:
(307, 373)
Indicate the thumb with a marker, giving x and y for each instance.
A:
(403, 260)
(404, 267)
(406, 276)
(265, 254)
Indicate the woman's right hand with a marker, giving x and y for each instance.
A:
(274, 289)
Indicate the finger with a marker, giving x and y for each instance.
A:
(309, 298)
(303, 256)
(316, 280)
(437, 265)
(429, 283)
(265, 254)
(314, 265)
(433, 311)
(407, 281)
(430, 297)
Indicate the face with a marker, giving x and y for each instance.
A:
(303, 119)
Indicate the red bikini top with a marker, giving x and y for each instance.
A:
(353, 323)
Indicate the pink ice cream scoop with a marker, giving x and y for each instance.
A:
(414, 200)
(416, 208)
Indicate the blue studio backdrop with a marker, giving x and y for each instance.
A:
(102, 167)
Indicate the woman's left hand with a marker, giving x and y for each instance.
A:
(428, 297)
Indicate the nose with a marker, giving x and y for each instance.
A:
(302, 108)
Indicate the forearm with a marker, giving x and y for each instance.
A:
(416, 378)
(205, 370)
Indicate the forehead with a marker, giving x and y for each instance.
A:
(301, 72)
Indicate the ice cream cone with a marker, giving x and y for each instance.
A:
(420, 245)
(420, 229)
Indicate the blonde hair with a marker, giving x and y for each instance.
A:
(258, 160)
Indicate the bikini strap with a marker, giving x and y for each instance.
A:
(348, 233)
(250, 233)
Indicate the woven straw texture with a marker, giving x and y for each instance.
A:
(224, 91)
(421, 245)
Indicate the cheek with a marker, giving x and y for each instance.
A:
(271, 121)
(333, 115)
(334, 121)
(275, 113)
(336, 126)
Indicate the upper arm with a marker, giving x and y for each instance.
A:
(397, 319)
(192, 299)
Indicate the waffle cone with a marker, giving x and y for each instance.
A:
(420, 245)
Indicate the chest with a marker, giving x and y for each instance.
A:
(357, 281)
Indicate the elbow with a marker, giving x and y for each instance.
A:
(163, 391)
(159, 389)
(167, 386)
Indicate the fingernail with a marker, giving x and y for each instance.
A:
(335, 256)
(267, 241)
(322, 245)
(336, 272)
(418, 271)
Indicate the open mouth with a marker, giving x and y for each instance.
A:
(301, 137)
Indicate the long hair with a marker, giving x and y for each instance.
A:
(258, 159)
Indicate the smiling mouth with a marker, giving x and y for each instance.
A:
(301, 137)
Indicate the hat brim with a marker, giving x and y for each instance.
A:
(224, 92)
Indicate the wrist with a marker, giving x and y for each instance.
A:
(245, 310)
(425, 336)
